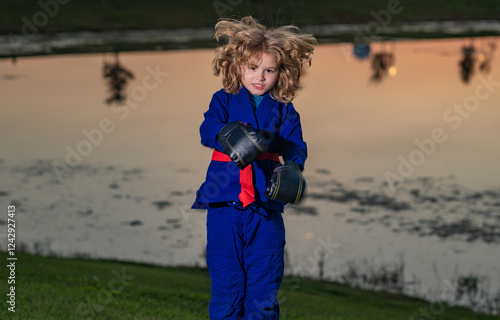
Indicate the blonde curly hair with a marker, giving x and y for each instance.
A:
(247, 40)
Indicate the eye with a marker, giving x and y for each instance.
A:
(270, 70)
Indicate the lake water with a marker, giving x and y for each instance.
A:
(401, 169)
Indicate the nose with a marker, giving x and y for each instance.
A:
(261, 76)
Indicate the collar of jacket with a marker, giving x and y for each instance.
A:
(251, 116)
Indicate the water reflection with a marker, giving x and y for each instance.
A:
(383, 64)
(355, 133)
(486, 56)
(471, 55)
(117, 78)
(467, 63)
(361, 50)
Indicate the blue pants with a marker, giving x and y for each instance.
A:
(245, 260)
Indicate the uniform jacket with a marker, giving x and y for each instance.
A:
(280, 119)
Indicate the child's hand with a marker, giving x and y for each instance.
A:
(287, 183)
(242, 143)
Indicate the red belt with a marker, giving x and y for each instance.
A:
(247, 194)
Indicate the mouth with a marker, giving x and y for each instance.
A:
(258, 86)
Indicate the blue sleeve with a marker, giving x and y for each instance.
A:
(215, 118)
(294, 148)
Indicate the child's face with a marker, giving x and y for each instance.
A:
(260, 75)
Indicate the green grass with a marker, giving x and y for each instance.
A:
(97, 15)
(57, 288)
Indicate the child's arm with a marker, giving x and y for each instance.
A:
(215, 118)
(287, 183)
(294, 146)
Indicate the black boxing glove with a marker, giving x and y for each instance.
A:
(242, 143)
(287, 183)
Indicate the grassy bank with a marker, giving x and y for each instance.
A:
(51, 16)
(56, 288)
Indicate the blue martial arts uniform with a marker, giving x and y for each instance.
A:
(245, 246)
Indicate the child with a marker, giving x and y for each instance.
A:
(250, 124)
